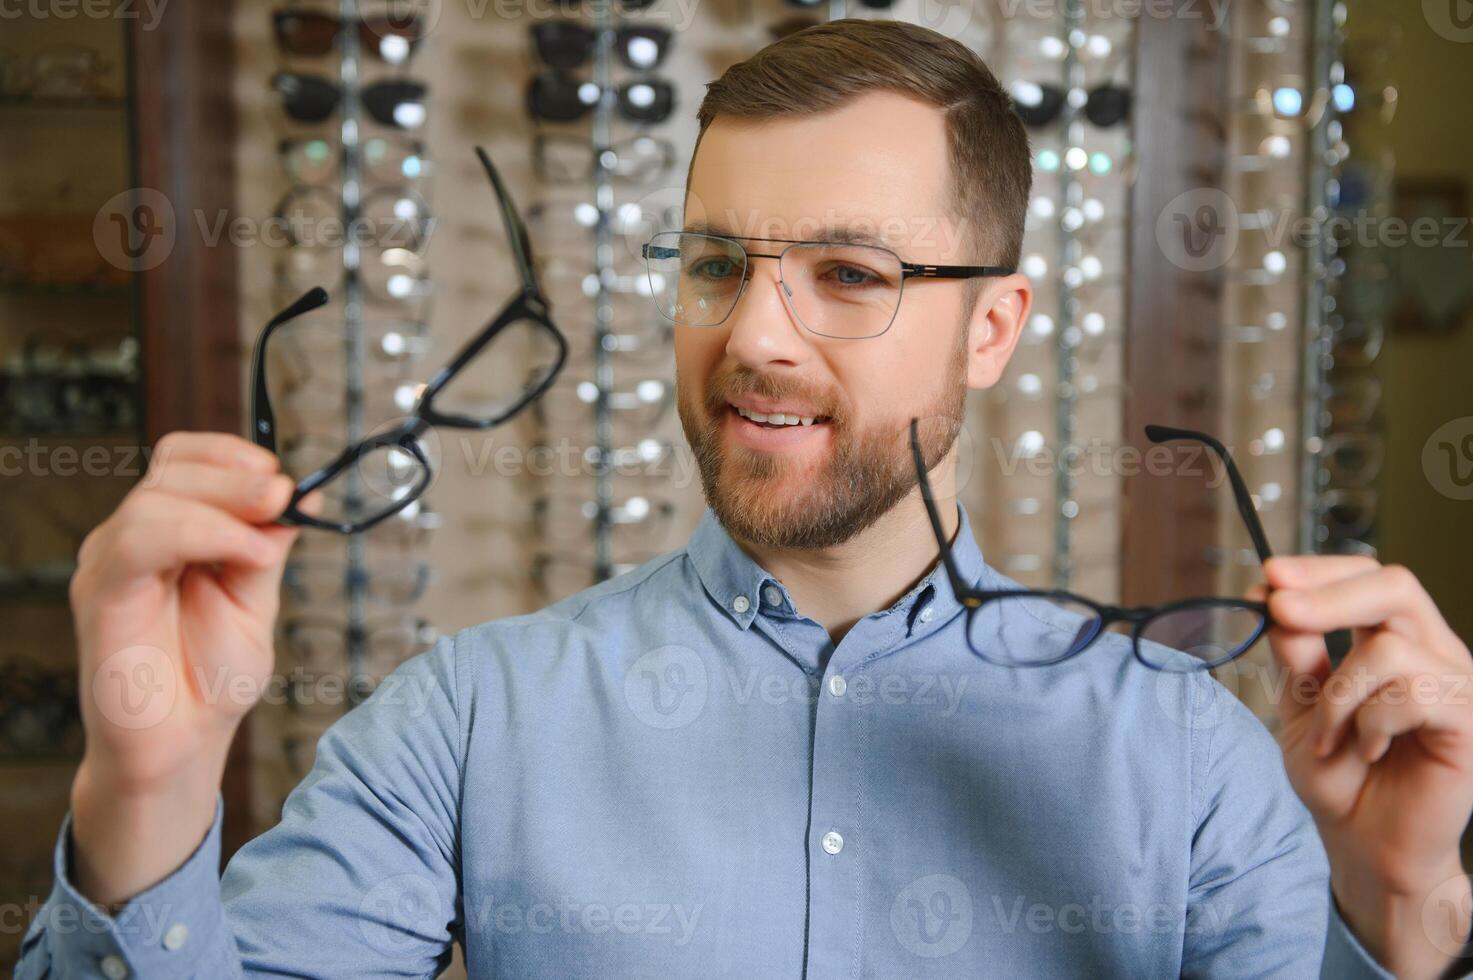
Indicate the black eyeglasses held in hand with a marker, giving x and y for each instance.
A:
(1181, 636)
(388, 471)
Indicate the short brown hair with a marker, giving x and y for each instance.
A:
(823, 66)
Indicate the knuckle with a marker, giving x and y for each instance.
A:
(1401, 578)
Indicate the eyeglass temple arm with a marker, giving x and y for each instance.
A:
(1337, 642)
(263, 420)
(957, 585)
(516, 231)
(1244, 499)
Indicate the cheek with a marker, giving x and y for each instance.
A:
(697, 354)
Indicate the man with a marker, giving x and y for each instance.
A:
(771, 753)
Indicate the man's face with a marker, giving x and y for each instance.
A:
(879, 164)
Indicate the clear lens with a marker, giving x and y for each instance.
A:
(377, 483)
(1197, 637)
(695, 279)
(848, 291)
(1032, 629)
(502, 375)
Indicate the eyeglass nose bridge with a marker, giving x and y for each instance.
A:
(785, 291)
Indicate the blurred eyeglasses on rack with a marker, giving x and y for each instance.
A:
(392, 159)
(62, 71)
(389, 217)
(636, 520)
(560, 574)
(315, 581)
(396, 279)
(640, 406)
(562, 158)
(322, 642)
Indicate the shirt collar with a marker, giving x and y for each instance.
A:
(740, 586)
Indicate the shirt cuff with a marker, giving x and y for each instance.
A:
(160, 932)
(1344, 955)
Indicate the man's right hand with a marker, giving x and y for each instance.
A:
(174, 599)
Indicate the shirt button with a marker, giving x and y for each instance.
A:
(114, 968)
(832, 842)
(837, 686)
(928, 614)
(176, 935)
(772, 595)
(740, 604)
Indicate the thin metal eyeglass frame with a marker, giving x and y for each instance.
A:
(1139, 616)
(528, 304)
(908, 270)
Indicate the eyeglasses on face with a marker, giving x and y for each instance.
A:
(835, 289)
(1181, 636)
(475, 390)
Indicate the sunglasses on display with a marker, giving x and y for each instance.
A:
(390, 36)
(497, 374)
(395, 102)
(1039, 104)
(566, 44)
(555, 97)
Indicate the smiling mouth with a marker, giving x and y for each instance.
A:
(779, 420)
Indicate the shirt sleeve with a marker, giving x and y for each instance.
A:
(358, 879)
(1259, 901)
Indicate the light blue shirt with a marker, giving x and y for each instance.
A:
(676, 774)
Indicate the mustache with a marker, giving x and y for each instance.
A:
(722, 388)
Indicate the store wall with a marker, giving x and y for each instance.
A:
(1426, 376)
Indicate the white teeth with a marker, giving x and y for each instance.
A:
(777, 418)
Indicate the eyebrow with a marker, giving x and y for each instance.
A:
(833, 233)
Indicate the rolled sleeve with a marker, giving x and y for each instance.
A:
(169, 929)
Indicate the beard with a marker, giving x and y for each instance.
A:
(868, 470)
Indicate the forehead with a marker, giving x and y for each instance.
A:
(878, 163)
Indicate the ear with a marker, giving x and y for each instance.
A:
(996, 324)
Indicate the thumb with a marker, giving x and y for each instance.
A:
(259, 588)
(1304, 658)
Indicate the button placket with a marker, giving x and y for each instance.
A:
(836, 812)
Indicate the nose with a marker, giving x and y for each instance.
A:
(763, 330)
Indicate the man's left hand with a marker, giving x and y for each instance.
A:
(1380, 750)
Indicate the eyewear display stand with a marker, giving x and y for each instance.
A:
(604, 25)
(1318, 302)
(351, 193)
(1070, 192)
